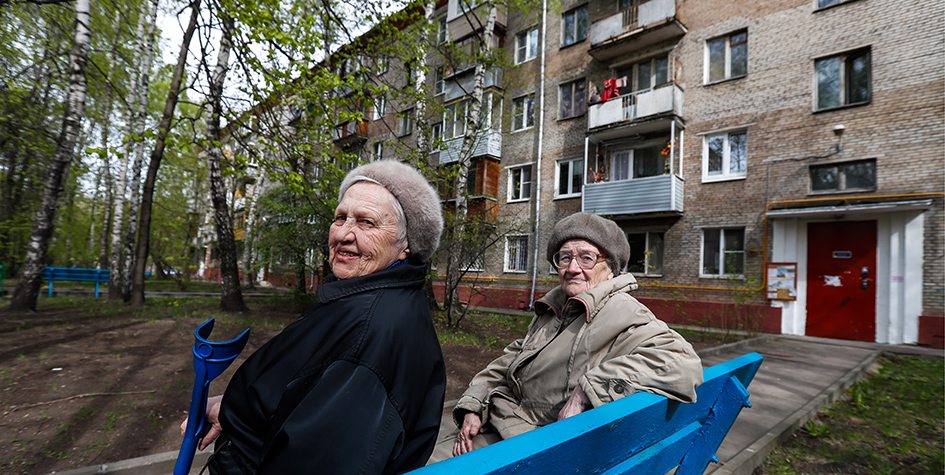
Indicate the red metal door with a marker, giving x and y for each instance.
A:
(841, 280)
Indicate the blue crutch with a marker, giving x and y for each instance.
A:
(210, 359)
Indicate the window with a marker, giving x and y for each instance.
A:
(725, 156)
(847, 176)
(454, 119)
(523, 112)
(638, 163)
(377, 151)
(520, 183)
(646, 253)
(723, 252)
(406, 122)
(436, 136)
(442, 31)
(572, 99)
(467, 5)
(526, 46)
(726, 57)
(439, 82)
(516, 253)
(380, 65)
(570, 178)
(380, 107)
(843, 79)
(574, 26)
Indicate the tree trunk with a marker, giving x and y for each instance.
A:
(247, 231)
(147, 192)
(232, 298)
(118, 217)
(27, 289)
(452, 299)
(134, 202)
(106, 175)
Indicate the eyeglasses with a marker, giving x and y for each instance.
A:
(586, 260)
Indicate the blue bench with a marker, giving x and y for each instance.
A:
(640, 434)
(53, 274)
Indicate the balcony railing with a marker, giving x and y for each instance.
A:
(638, 105)
(350, 131)
(655, 194)
(489, 142)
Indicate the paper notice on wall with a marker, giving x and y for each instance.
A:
(782, 281)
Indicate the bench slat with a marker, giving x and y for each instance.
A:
(605, 439)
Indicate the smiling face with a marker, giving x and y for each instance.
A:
(367, 235)
(574, 278)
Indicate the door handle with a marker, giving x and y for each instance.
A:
(864, 278)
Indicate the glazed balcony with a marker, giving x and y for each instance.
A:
(653, 194)
(349, 132)
(635, 28)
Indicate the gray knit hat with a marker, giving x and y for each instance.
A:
(602, 232)
(419, 200)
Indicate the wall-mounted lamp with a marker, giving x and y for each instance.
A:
(838, 131)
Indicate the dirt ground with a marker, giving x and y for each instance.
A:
(80, 389)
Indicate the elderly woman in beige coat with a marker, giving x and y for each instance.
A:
(590, 343)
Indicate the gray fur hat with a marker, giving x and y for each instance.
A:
(602, 232)
(419, 200)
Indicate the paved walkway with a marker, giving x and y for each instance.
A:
(799, 376)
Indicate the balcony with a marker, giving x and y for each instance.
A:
(461, 84)
(488, 143)
(349, 132)
(464, 23)
(634, 109)
(634, 28)
(655, 194)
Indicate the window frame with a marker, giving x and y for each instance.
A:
(727, 66)
(842, 176)
(648, 244)
(573, 14)
(380, 107)
(844, 87)
(523, 45)
(406, 123)
(439, 81)
(523, 112)
(442, 31)
(519, 239)
(524, 191)
(723, 253)
(570, 165)
(377, 150)
(726, 174)
(572, 91)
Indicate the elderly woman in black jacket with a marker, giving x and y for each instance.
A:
(356, 384)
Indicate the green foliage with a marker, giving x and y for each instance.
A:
(889, 423)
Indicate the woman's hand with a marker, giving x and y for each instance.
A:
(213, 417)
(577, 403)
(464, 441)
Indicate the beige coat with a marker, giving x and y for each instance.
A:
(603, 339)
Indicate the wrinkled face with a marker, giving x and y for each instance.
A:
(364, 236)
(574, 278)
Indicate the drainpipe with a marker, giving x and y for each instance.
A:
(541, 134)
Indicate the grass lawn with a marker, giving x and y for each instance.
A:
(890, 423)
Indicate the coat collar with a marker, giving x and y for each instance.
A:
(404, 275)
(589, 302)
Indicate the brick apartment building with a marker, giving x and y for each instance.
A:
(776, 164)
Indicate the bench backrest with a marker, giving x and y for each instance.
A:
(642, 434)
(70, 273)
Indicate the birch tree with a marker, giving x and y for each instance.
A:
(147, 194)
(27, 289)
(118, 217)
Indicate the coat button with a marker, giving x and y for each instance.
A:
(618, 389)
